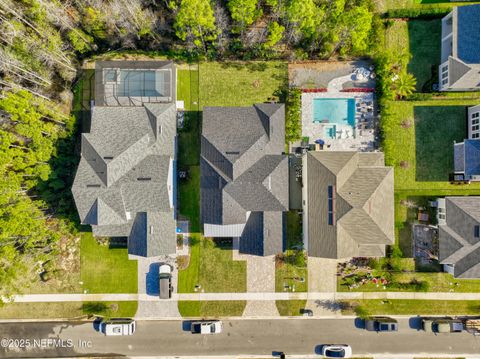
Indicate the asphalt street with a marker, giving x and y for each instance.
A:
(248, 337)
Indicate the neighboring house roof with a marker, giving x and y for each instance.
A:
(244, 175)
(464, 62)
(468, 34)
(133, 83)
(124, 182)
(467, 158)
(362, 192)
(458, 244)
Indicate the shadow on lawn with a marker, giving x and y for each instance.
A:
(436, 129)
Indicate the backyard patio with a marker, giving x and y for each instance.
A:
(338, 116)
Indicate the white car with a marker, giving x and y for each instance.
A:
(336, 351)
(118, 326)
(206, 327)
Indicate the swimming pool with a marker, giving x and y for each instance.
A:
(340, 111)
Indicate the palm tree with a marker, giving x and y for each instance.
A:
(404, 84)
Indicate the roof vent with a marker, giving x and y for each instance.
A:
(144, 179)
(93, 186)
(107, 157)
(151, 229)
(232, 153)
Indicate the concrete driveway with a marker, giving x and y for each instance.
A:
(260, 278)
(322, 277)
(148, 283)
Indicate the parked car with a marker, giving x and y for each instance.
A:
(442, 325)
(381, 324)
(306, 312)
(206, 327)
(118, 326)
(336, 351)
(165, 275)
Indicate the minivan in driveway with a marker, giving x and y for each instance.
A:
(381, 324)
(165, 278)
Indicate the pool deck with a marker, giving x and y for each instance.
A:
(348, 138)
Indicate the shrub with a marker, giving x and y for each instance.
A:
(293, 120)
(362, 312)
(430, 12)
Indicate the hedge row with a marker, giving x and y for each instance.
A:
(430, 12)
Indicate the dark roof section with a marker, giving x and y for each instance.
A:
(458, 244)
(244, 173)
(124, 182)
(468, 34)
(349, 204)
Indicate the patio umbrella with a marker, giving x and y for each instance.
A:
(320, 142)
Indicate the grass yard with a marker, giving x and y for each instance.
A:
(217, 309)
(104, 269)
(413, 307)
(424, 44)
(418, 143)
(212, 268)
(189, 193)
(287, 270)
(67, 310)
(240, 83)
(289, 308)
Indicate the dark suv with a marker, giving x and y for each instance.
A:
(381, 324)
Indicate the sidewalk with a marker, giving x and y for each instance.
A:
(257, 296)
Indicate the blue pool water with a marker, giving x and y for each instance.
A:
(331, 111)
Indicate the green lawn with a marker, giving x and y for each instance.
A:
(288, 308)
(424, 45)
(294, 230)
(413, 307)
(189, 198)
(211, 266)
(240, 83)
(422, 152)
(217, 309)
(104, 269)
(67, 310)
(285, 274)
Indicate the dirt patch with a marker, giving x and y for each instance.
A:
(317, 74)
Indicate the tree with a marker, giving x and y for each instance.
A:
(404, 84)
(195, 23)
(275, 34)
(302, 16)
(244, 13)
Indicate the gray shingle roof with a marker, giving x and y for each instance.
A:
(458, 244)
(244, 170)
(124, 182)
(362, 206)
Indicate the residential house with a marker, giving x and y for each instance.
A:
(460, 54)
(244, 176)
(467, 153)
(125, 181)
(459, 236)
(348, 204)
